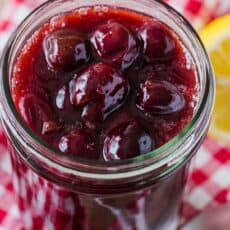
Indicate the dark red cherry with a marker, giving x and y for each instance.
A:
(37, 114)
(115, 44)
(127, 140)
(97, 82)
(159, 44)
(160, 98)
(65, 49)
(79, 143)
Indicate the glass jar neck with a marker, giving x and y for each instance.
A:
(158, 163)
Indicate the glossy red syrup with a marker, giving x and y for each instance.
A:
(107, 85)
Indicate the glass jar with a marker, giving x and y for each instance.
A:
(58, 192)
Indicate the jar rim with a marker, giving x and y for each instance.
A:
(170, 153)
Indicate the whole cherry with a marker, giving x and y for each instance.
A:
(159, 44)
(102, 84)
(80, 143)
(65, 49)
(127, 140)
(160, 98)
(37, 114)
(115, 44)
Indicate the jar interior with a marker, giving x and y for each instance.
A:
(162, 13)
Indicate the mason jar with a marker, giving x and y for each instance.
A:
(55, 191)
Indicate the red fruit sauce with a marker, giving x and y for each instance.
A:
(107, 85)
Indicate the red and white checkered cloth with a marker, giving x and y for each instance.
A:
(209, 178)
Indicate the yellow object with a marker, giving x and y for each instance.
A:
(216, 38)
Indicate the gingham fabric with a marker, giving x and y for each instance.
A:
(209, 178)
(200, 12)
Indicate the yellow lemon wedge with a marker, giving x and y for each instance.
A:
(216, 38)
